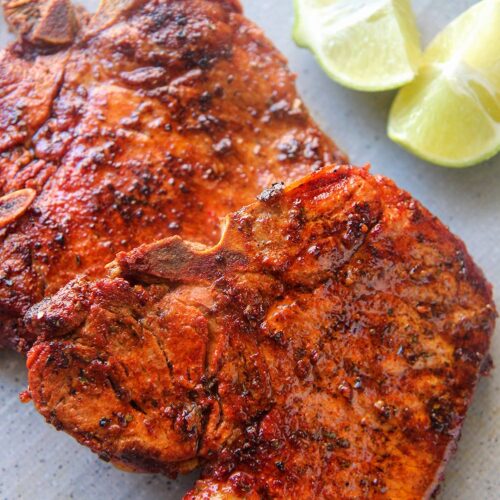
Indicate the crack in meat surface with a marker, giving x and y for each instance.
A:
(327, 347)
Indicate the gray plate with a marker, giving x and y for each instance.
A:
(37, 462)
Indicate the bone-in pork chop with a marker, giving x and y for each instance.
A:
(327, 347)
(151, 119)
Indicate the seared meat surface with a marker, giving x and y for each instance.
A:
(156, 118)
(327, 347)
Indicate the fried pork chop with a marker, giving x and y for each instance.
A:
(327, 347)
(151, 119)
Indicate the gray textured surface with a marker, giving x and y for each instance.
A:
(37, 462)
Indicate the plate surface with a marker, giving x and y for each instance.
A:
(37, 462)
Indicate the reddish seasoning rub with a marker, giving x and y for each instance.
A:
(159, 119)
(300, 357)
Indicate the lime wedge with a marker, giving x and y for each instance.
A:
(450, 114)
(363, 44)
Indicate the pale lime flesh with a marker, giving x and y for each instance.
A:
(450, 114)
(368, 45)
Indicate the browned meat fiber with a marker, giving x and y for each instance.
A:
(151, 118)
(327, 347)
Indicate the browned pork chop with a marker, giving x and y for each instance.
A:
(154, 118)
(327, 347)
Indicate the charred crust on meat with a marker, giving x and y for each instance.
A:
(236, 356)
(149, 119)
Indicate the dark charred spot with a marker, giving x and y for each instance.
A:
(441, 415)
(468, 356)
(384, 411)
(181, 20)
(58, 359)
(135, 405)
(358, 224)
(139, 459)
(105, 456)
(124, 419)
(343, 443)
(417, 214)
(278, 338)
(298, 436)
(205, 59)
(52, 322)
(126, 48)
(121, 393)
(205, 100)
(302, 369)
(104, 422)
(59, 239)
(218, 90)
(55, 421)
